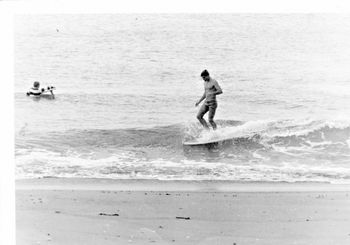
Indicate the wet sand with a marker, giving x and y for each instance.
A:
(90, 211)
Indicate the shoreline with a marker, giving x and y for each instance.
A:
(174, 185)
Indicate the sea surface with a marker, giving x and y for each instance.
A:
(126, 87)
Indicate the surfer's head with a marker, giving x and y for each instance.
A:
(205, 75)
(36, 84)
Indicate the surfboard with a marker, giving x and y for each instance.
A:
(206, 142)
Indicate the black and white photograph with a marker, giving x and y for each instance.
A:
(181, 128)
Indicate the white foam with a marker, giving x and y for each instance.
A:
(268, 129)
(124, 166)
(243, 130)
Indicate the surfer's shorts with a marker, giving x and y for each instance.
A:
(208, 106)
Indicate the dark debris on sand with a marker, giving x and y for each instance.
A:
(105, 214)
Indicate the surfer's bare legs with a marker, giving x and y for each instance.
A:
(212, 110)
(203, 122)
(213, 124)
(204, 109)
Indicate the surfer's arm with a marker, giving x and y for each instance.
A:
(201, 99)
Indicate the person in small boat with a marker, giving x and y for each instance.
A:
(37, 92)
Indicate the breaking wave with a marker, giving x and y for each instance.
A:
(285, 150)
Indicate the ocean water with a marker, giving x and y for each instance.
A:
(126, 85)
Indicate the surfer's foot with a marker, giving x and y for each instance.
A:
(213, 125)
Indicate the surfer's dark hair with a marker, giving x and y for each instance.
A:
(36, 84)
(204, 73)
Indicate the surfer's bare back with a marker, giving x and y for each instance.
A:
(211, 89)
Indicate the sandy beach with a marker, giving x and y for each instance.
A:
(92, 211)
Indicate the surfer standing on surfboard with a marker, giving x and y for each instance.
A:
(211, 89)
